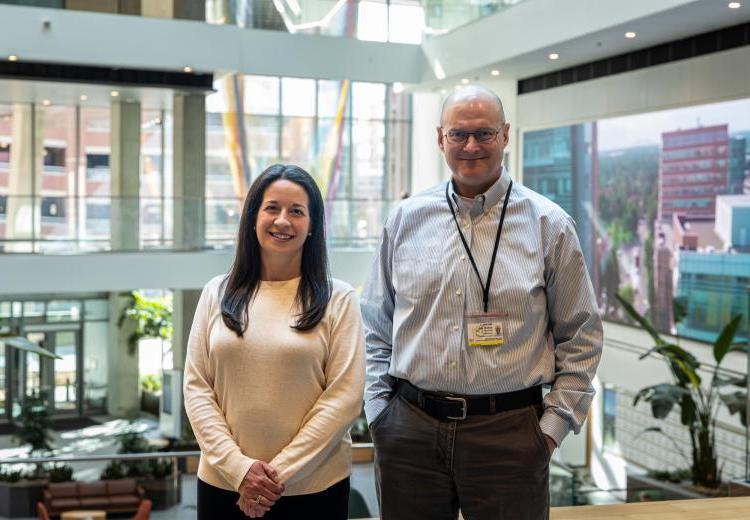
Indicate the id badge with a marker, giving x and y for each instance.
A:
(484, 330)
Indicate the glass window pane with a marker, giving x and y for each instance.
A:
(95, 343)
(329, 98)
(406, 22)
(57, 126)
(400, 106)
(372, 21)
(369, 158)
(297, 144)
(298, 97)
(59, 310)
(334, 158)
(399, 160)
(368, 100)
(152, 183)
(223, 219)
(66, 374)
(96, 310)
(33, 309)
(262, 143)
(261, 95)
(94, 175)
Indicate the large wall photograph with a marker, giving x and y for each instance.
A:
(662, 205)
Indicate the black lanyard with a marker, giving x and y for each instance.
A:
(485, 288)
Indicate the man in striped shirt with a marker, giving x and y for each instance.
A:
(478, 298)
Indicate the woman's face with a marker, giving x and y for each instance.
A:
(283, 220)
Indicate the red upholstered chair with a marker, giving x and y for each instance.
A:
(41, 511)
(144, 510)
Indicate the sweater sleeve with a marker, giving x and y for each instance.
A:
(218, 447)
(339, 404)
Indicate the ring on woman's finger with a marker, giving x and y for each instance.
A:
(257, 499)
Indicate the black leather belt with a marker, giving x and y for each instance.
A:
(454, 407)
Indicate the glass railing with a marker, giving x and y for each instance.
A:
(63, 224)
(176, 475)
(401, 21)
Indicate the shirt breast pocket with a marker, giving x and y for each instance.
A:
(416, 277)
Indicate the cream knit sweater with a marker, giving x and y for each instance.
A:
(276, 394)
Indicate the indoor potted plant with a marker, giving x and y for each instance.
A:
(698, 402)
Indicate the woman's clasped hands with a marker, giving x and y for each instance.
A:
(259, 490)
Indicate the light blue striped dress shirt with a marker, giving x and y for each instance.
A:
(422, 285)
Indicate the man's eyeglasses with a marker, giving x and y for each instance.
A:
(483, 135)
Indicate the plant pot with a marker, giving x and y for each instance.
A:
(164, 493)
(18, 499)
(150, 402)
(739, 488)
(641, 488)
(362, 453)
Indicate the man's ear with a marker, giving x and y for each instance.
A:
(505, 133)
(440, 138)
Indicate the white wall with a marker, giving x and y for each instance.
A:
(110, 40)
(707, 79)
(427, 165)
(113, 272)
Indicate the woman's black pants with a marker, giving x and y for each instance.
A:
(332, 503)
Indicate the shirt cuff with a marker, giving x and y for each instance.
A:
(555, 426)
(375, 407)
(238, 469)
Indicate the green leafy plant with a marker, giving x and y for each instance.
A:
(160, 468)
(59, 473)
(151, 383)
(698, 403)
(153, 319)
(10, 476)
(675, 476)
(113, 471)
(34, 423)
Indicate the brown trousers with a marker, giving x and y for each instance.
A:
(491, 467)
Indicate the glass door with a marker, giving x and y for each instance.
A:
(66, 375)
(27, 373)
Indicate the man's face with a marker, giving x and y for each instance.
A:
(475, 165)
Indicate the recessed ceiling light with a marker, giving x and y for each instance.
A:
(398, 87)
(630, 34)
(443, 91)
(84, 97)
(187, 69)
(553, 56)
(12, 57)
(45, 102)
(114, 93)
(495, 72)
(734, 5)
(465, 81)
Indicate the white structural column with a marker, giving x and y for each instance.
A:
(189, 170)
(24, 183)
(123, 394)
(189, 206)
(123, 390)
(125, 175)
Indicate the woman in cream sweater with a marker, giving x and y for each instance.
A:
(274, 372)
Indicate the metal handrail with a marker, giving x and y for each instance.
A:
(123, 456)
(114, 456)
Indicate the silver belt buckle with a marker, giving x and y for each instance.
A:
(463, 408)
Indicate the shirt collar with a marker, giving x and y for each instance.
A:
(484, 201)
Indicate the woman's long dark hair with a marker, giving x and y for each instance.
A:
(243, 280)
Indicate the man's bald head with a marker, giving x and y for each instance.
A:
(470, 93)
